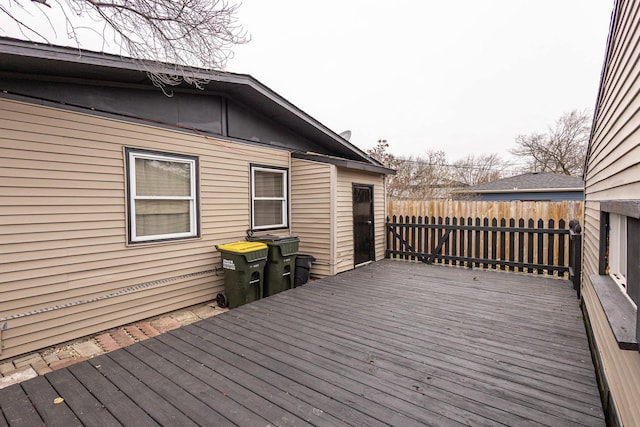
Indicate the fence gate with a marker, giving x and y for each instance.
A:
(514, 245)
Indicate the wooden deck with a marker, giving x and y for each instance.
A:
(392, 343)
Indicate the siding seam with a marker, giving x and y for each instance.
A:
(124, 291)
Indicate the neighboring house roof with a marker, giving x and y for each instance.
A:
(530, 182)
(19, 57)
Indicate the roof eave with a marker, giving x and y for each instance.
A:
(348, 164)
(98, 59)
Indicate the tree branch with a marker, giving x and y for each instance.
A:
(186, 33)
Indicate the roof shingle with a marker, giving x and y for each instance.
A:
(530, 181)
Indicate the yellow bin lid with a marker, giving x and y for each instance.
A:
(241, 247)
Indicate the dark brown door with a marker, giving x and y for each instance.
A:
(363, 237)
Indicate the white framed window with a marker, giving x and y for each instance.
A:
(618, 249)
(269, 204)
(162, 196)
(617, 253)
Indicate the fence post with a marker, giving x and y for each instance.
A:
(575, 254)
(389, 237)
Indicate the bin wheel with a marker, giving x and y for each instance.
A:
(221, 300)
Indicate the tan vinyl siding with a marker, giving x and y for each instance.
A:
(63, 224)
(621, 367)
(344, 215)
(613, 173)
(311, 216)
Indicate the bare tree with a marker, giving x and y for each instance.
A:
(381, 153)
(187, 33)
(473, 169)
(417, 177)
(561, 150)
(431, 176)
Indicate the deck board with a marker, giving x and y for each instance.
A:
(84, 405)
(189, 404)
(333, 381)
(119, 404)
(392, 343)
(205, 354)
(486, 374)
(454, 382)
(162, 411)
(332, 398)
(217, 384)
(17, 409)
(53, 414)
(354, 366)
(194, 386)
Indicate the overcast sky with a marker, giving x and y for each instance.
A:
(462, 76)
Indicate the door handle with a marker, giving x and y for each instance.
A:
(369, 222)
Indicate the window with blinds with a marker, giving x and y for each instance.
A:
(268, 198)
(162, 196)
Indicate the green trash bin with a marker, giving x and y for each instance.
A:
(243, 264)
(281, 262)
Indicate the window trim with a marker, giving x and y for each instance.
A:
(284, 200)
(617, 246)
(194, 207)
(619, 307)
(624, 212)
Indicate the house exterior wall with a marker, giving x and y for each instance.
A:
(344, 215)
(65, 268)
(210, 114)
(312, 217)
(613, 173)
(322, 213)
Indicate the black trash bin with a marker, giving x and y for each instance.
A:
(243, 264)
(303, 268)
(281, 262)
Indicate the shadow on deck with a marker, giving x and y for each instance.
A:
(392, 343)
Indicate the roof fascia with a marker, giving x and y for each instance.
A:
(527, 190)
(348, 164)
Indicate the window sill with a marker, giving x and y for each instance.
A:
(142, 243)
(620, 313)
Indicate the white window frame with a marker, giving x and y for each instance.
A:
(133, 197)
(617, 265)
(284, 199)
(618, 249)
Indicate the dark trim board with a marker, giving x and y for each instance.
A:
(623, 207)
(348, 164)
(391, 343)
